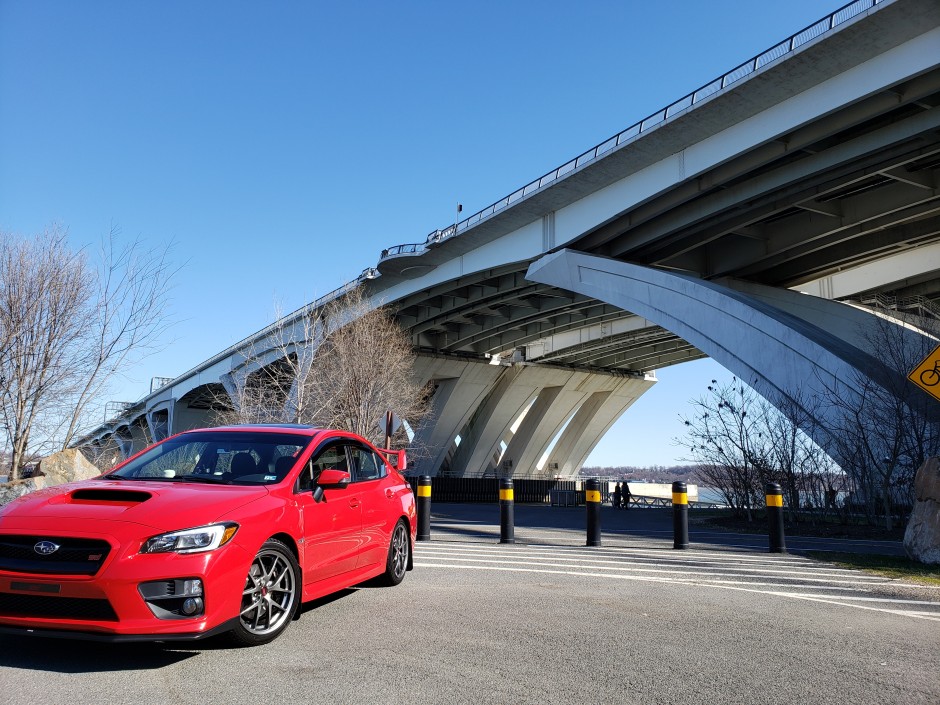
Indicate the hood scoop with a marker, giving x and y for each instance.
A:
(124, 497)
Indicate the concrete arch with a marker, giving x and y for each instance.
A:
(160, 420)
(789, 346)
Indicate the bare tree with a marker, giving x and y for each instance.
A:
(883, 427)
(45, 289)
(342, 367)
(725, 436)
(270, 386)
(741, 442)
(69, 326)
(363, 368)
(127, 318)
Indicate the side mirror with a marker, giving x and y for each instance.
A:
(333, 479)
(395, 458)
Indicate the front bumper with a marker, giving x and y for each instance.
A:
(109, 606)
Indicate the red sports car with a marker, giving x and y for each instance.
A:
(216, 530)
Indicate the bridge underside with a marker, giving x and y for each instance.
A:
(790, 347)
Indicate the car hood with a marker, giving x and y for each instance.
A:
(160, 505)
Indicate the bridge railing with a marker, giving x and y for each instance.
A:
(778, 51)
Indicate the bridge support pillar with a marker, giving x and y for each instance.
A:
(461, 387)
(589, 424)
(515, 389)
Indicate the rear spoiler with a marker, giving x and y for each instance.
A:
(395, 458)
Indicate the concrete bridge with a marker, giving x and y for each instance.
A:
(733, 223)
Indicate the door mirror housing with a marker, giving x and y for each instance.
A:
(334, 479)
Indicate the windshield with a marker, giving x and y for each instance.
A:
(240, 458)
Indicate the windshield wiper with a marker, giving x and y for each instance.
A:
(203, 478)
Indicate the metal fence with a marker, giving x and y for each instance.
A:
(486, 490)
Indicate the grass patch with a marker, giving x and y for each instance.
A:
(888, 566)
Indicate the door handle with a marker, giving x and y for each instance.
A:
(354, 502)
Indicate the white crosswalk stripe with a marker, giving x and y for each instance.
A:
(784, 576)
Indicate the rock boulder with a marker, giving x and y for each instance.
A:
(11, 490)
(922, 537)
(67, 466)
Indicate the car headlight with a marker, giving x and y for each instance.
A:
(203, 538)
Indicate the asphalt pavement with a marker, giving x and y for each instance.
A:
(541, 523)
(546, 620)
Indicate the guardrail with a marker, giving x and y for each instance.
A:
(400, 250)
(778, 51)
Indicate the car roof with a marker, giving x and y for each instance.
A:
(300, 429)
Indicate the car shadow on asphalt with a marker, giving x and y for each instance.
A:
(66, 656)
(79, 656)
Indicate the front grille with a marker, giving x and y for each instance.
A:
(56, 607)
(75, 556)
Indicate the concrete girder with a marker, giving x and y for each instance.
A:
(807, 232)
(508, 338)
(800, 140)
(562, 343)
(506, 287)
(901, 271)
(590, 422)
(766, 216)
(515, 389)
(785, 358)
(560, 304)
(647, 357)
(461, 387)
(845, 248)
(427, 302)
(811, 177)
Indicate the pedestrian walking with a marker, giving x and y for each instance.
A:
(617, 496)
(626, 495)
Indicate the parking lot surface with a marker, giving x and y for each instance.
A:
(544, 621)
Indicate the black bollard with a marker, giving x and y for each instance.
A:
(507, 520)
(424, 508)
(592, 499)
(774, 498)
(680, 515)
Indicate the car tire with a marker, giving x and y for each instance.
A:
(270, 597)
(399, 549)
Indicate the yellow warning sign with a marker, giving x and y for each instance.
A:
(927, 374)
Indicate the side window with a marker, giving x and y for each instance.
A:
(333, 457)
(367, 466)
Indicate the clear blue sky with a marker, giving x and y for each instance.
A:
(282, 145)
